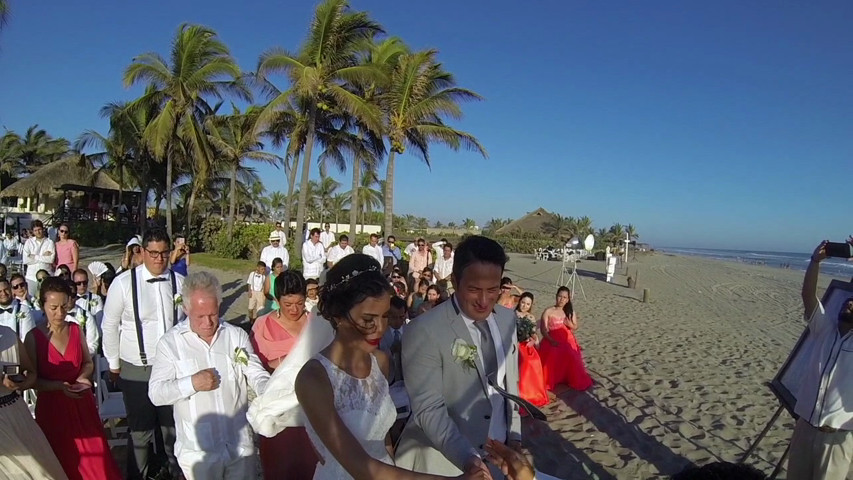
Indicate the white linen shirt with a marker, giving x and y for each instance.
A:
(24, 321)
(313, 259)
(270, 253)
(375, 252)
(327, 238)
(93, 307)
(336, 253)
(825, 394)
(256, 281)
(212, 422)
(155, 313)
(40, 261)
(497, 426)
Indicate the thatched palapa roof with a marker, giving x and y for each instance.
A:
(68, 171)
(530, 223)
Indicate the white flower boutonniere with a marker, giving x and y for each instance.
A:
(80, 316)
(241, 356)
(178, 300)
(464, 353)
(21, 316)
(93, 304)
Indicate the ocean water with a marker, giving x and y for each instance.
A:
(835, 267)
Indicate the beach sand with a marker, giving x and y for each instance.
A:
(678, 380)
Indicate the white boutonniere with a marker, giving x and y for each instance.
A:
(21, 316)
(178, 300)
(464, 353)
(241, 356)
(80, 316)
(93, 304)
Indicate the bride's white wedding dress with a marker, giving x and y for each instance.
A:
(366, 408)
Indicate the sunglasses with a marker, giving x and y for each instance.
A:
(81, 283)
(19, 285)
(156, 254)
(396, 276)
(63, 231)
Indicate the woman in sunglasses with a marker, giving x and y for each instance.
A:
(67, 250)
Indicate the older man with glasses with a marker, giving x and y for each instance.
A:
(88, 309)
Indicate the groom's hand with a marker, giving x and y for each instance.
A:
(476, 468)
(512, 463)
(206, 380)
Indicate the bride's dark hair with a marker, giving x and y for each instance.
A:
(352, 280)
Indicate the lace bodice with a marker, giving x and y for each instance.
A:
(366, 408)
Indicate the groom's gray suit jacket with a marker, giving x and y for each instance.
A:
(451, 411)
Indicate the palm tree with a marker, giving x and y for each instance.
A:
(325, 190)
(37, 148)
(437, 224)
(495, 224)
(632, 232)
(200, 65)
(560, 226)
(382, 57)
(327, 60)
(235, 139)
(11, 165)
(469, 223)
(419, 95)
(367, 197)
(256, 195)
(277, 201)
(337, 204)
(584, 227)
(451, 225)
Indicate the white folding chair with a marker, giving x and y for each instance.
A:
(110, 404)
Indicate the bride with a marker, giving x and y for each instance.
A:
(341, 391)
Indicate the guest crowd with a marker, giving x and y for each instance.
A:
(151, 330)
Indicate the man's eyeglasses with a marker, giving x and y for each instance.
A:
(19, 285)
(82, 283)
(156, 254)
(396, 276)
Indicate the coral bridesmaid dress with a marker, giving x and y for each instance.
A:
(72, 426)
(531, 379)
(563, 363)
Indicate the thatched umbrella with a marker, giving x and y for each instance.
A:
(69, 171)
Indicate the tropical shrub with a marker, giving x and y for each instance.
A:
(99, 234)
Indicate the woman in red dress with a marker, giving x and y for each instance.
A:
(288, 455)
(562, 361)
(531, 380)
(65, 409)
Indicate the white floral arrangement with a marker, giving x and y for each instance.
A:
(241, 356)
(178, 300)
(80, 316)
(21, 316)
(464, 353)
(93, 304)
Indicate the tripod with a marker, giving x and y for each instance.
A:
(567, 277)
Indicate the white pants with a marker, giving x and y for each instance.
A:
(201, 466)
(817, 455)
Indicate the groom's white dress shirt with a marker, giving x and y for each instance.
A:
(211, 426)
(497, 427)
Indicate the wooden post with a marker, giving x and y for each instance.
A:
(646, 293)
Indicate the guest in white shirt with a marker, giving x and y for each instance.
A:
(313, 255)
(339, 251)
(205, 367)
(275, 250)
(822, 442)
(13, 313)
(88, 310)
(255, 283)
(39, 252)
(157, 291)
(12, 245)
(443, 263)
(327, 237)
(373, 248)
(281, 235)
(4, 253)
(312, 287)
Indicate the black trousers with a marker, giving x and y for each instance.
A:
(143, 420)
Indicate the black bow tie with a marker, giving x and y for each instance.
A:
(6, 310)
(157, 279)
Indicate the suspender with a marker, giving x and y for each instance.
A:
(17, 320)
(134, 290)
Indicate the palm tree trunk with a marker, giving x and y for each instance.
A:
(303, 183)
(389, 195)
(120, 182)
(291, 185)
(169, 195)
(232, 209)
(190, 207)
(353, 202)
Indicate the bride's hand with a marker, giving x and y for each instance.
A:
(512, 463)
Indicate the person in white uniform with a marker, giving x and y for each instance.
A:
(13, 313)
(275, 250)
(39, 252)
(313, 255)
(373, 248)
(327, 237)
(205, 367)
(339, 251)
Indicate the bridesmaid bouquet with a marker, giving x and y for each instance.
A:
(525, 329)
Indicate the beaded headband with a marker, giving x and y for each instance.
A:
(348, 277)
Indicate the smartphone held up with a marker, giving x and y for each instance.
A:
(838, 249)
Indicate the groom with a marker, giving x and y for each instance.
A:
(451, 356)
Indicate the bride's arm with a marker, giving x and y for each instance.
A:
(316, 397)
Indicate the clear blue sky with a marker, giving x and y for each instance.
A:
(723, 124)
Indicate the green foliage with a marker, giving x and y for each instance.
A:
(99, 234)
